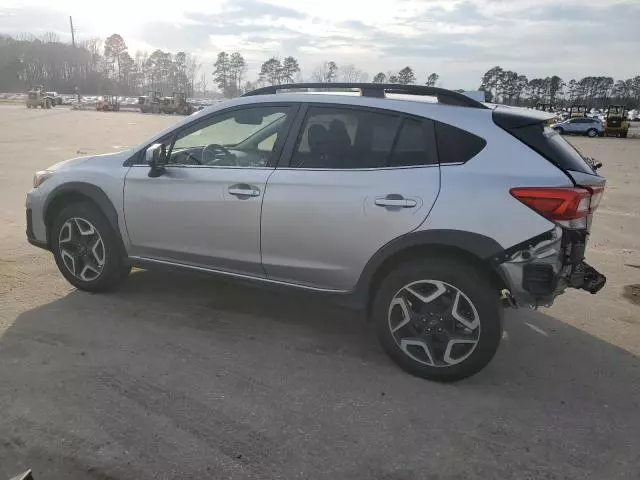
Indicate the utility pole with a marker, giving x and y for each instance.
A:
(73, 35)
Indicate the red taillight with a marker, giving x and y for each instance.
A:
(560, 204)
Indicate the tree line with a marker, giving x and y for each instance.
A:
(512, 88)
(95, 66)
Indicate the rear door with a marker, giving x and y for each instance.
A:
(355, 179)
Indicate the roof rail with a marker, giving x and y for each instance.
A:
(378, 90)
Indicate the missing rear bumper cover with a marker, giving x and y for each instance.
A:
(540, 270)
(585, 277)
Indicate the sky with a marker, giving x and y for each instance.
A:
(458, 39)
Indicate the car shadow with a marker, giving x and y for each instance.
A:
(184, 373)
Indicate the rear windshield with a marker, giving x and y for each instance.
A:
(530, 129)
(566, 155)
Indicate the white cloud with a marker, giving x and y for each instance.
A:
(460, 39)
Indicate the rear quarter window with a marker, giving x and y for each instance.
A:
(456, 145)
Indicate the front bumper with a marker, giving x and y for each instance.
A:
(36, 228)
(536, 272)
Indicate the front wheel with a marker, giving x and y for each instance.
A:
(438, 318)
(87, 249)
(592, 132)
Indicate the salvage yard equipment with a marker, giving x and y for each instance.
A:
(578, 111)
(151, 102)
(176, 104)
(108, 103)
(57, 99)
(616, 121)
(37, 97)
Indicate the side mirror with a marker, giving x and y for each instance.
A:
(156, 158)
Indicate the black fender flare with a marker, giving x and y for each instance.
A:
(480, 246)
(96, 194)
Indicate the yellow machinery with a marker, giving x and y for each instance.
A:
(176, 104)
(151, 102)
(616, 122)
(37, 97)
(578, 111)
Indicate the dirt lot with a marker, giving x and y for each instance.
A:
(186, 377)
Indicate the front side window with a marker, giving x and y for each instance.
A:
(244, 138)
(344, 138)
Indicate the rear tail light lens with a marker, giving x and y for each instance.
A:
(596, 197)
(567, 206)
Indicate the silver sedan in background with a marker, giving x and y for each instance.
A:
(591, 127)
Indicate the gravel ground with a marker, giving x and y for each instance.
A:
(177, 376)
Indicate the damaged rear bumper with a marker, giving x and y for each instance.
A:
(539, 270)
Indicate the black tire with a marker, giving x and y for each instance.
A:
(115, 268)
(468, 280)
(592, 133)
(624, 135)
(560, 130)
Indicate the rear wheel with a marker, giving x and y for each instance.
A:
(592, 132)
(87, 250)
(438, 318)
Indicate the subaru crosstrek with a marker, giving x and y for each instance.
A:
(429, 215)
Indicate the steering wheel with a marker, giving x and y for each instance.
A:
(216, 150)
(193, 158)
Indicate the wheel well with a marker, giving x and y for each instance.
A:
(431, 250)
(60, 202)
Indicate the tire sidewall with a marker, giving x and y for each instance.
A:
(476, 286)
(112, 271)
(592, 133)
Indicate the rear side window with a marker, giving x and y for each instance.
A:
(344, 138)
(456, 145)
(411, 147)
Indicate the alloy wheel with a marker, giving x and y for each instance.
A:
(81, 249)
(434, 323)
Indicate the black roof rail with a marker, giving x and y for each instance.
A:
(378, 90)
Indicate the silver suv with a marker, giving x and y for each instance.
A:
(591, 127)
(428, 215)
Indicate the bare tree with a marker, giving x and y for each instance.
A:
(326, 72)
(349, 73)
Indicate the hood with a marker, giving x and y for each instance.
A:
(106, 158)
(71, 162)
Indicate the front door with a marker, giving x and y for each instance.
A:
(204, 210)
(356, 180)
